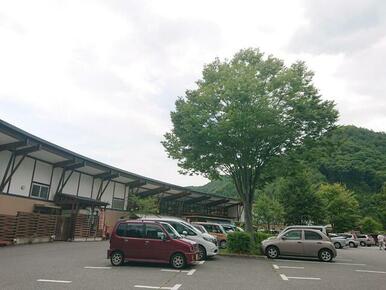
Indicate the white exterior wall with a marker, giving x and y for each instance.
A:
(55, 180)
(21, 180)
(71, 186)
(42, 172)
(4, 158)
(119, 190)
(80, 184)
(108, 194)
(85, 185)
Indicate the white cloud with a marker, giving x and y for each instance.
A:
(100, 77)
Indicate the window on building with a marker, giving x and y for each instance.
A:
(118, 203)
(39, 190)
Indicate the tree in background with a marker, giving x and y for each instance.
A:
(302, 204)
(370, 226)
(268, 211)
(245, 112)
(342, 208)
(138, 205)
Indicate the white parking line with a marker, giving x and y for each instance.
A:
(320, 263)
(284, 277)
(350, 264)
(276, 267)
(191, 272)
(54, 281)
(91, 267)
(303, 278)
(188, 272)
(175, 287)
(367, 271)
(290, 267)
(201, 262)
(170, 270)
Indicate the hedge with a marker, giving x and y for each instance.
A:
(241, 242)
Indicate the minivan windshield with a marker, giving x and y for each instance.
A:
(171, 231)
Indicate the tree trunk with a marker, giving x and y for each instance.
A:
(248, 215)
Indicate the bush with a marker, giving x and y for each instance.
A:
(261, 236)
(239, 242)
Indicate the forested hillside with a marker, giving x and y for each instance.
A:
(350, 156)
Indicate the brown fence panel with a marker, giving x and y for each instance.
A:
(33, 225)
(7, 227)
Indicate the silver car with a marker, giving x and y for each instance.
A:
(300, 242)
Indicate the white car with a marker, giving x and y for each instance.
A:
(207, 243)
(338, 241)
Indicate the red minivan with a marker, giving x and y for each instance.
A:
(150, 241)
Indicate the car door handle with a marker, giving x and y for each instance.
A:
(126, 241)
(147, 242)
(319, 243)
(299, 242)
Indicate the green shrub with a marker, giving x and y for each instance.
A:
(261, 236)
(239, 242)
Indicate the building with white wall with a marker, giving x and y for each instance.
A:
(38, 176)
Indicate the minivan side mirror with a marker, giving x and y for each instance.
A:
(284, 238)
(185, 233)
(162, 236)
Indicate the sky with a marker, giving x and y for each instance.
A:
(101, 77)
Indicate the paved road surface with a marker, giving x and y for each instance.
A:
(82, 265)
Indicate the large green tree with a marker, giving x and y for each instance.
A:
(342, 208)
(244, 112)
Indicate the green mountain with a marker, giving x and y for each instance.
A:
(355, 157)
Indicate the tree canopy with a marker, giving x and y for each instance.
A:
(244, 112)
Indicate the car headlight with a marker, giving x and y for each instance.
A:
(210, 240)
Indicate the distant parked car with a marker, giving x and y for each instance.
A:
(338, 241)
(352, 239)
(300, 242)
(216, 230)
(366, 240)
(231, 228)
(150, 241)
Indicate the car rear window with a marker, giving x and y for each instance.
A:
(308, 235)
(130, 230)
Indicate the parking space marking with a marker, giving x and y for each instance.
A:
(367, 271)
(92, 267)
(191, 272)
(175, 287)
(286, 278)
(54, 281)
(320, 263)
(350, 264)
(201, 262)
(303, 278)
(188, 272)
(276, 267)
(170, 270)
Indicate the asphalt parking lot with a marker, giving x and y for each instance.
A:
(82, 265)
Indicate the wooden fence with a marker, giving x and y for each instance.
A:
(36, 226)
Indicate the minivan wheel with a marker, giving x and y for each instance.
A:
(178, 261)
(201, 253)
(325, 255)
(272, 252)
(116, 258)
(337, 245)
(351, 244)
(223, 244)
(363, 244)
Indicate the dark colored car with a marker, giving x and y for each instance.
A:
(150, 241)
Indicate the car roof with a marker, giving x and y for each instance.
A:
(206, 223)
